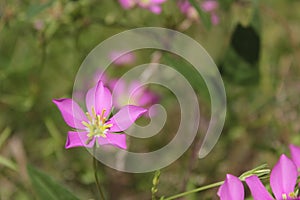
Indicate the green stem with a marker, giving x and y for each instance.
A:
(195, 190)
(95, 165)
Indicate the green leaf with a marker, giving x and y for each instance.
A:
(205, 17)
(246, 43)
(8, 163)
(53, 130)
(47, 188)
(4, 135)
(35, 9)
(236, 70)
(241, 61)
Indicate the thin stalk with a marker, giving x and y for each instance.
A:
(195, 190)
(95, 165)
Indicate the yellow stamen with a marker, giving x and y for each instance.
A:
(102, 116)
(88, 116)
(96, 126)
(94, 112)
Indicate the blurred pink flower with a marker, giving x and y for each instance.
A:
(232, 189)
(152, 5)
(133, 93)
(127, 4)
(283, 180)
(209, 6)
(95, 126)
(119, 59)
(39, 24)
(187, 9)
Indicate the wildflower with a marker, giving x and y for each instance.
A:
(134, 93)
(96, 126)
(231, 189)
(127, 4)
(283, 179)
(209, 6)
(187, 9)
(152, 5)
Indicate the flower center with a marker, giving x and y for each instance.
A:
(96, 126)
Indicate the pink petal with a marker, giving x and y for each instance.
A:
(78, 139)
(184, 6)
(283, 177)
(104, 102)
(148, 98)
(155, 9)
(99, 97)
(118, 140)
(214, 18)
(90, 99)
(71, 112)
(126, 4)
(295, 154)
(232, 189)
(257, 189)
(209, 5)
(123, 119)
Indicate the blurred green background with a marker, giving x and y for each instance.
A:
(256, 46)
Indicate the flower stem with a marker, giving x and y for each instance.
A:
(95, 165)
(261, 171)
(195, 190)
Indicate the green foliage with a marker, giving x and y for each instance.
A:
(8, 163)
(43, 43)
(46, 188)
(241, 61)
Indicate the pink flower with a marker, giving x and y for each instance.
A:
(95, 125)
(187, 9)
(209, 6)
(232, 189)
(119, 59)
(283, 180)
(134, 93)
(295, 154)
(153, 5)
(127, 4)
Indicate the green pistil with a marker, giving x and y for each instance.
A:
(96, 126)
